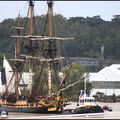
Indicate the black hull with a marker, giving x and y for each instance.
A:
(26, 109)
(93, 109)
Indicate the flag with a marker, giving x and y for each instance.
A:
(82, 93)
(3, 76)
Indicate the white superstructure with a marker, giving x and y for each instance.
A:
(86, 101)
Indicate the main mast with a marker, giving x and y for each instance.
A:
(50, 14)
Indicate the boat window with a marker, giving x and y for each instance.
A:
(81, 101)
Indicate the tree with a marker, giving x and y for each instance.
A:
(76, 74)
(113, 97)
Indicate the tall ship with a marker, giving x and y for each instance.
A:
(39, 56)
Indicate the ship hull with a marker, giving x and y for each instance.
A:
(27, 109)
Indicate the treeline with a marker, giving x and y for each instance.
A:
(89, 35)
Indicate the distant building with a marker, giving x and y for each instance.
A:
(26, 81)
(106, 80)
(86, 61)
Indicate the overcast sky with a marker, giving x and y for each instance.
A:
(106, 9)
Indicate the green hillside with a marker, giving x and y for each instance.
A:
(89, 33)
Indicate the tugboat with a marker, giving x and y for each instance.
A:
(87, 103)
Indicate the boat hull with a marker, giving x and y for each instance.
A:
(27, 109)
(89, 109)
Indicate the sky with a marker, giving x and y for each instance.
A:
(106, 9)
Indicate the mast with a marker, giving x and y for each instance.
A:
(17, 74)
(17, 52)
(31, 8)
(31, 13)
(85, 84)
(50, 14)
(17, 44)
(49, 49)
(17, 48)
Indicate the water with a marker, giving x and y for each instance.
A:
(114, 106)
(115, 114)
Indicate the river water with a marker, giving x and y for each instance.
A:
(115, 114)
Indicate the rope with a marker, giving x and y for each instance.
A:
(66, 87)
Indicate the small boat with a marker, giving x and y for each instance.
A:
(87, 104)
(4, 114)
(106, 107)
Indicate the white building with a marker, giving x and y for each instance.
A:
(26, 79)
(106, 80)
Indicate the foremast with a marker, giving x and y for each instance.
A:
(18, 44)
(17, 52)
(17, 71)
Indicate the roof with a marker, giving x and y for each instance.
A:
(111, 73)
(87, 98)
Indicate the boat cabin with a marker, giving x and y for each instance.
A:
(86, 101)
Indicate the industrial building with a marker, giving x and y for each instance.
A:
(106, 80)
